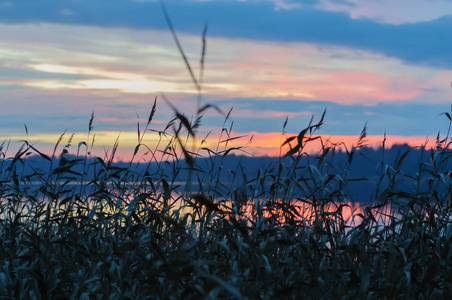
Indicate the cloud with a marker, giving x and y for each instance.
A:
(56, 83)
(329, 23)
(382, 11)
(146, 61)
(389, 11)
(21, 73)
(401, 119)
(80, 57)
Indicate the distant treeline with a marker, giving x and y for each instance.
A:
(361, 169)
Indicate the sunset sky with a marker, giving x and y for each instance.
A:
(385, 63)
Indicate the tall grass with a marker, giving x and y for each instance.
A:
(87, 228)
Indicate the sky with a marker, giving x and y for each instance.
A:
(384, 64)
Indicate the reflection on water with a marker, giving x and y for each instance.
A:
(349, 214)
(352, 213)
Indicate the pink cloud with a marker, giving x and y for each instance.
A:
(352, 87)
(274, 70)
(279, 74)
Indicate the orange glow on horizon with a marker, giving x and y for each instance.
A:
(251, 143)
(268, 144)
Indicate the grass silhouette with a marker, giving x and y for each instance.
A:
(85, 228)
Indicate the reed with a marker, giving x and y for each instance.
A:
(85, 227)
(88, 228)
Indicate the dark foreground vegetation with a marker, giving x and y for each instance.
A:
(83, 227)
